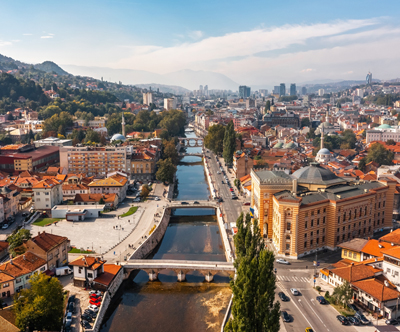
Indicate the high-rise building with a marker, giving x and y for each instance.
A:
(170, 103)
(250, 103)
(276, 89)
(282, 89)
(244, 91)
(263, 92)
(303, 90)
(321, 92)
(369, 78)
(293, 91)
(206, 90)
(147, 98)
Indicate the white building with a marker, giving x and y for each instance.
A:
(147, 98)
(321, 92)
(76, 212)
(47, 193)
(383, 133)
(86, 269)
(53, 141)
(170, 103)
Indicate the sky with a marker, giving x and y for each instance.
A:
(258, 43)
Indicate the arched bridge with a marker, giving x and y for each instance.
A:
(199, 204)
(188, 142)
(153, 266)
(184, 154)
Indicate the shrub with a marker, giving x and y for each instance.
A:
(327, 294)
(318, 288)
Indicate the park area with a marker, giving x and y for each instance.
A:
(45, 221)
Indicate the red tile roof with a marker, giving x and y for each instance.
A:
(377, 289)
(47, 241)
(110, 271)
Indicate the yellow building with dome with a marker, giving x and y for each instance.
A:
(313, 209)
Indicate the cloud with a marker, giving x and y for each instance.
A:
(5, 43)
(46, 37)
(27, 34)
(195, 34)
(306, 70)
(209, 52)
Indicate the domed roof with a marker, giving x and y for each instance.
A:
(324, 151)
(326, 124)
(118, 137)
(315, 174)
(385, 126)
(290, 145)
(278, 145)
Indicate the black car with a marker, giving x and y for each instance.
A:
(86, 324)
(362, 318)
(196, 202)
(184, 203)
(283, 296)
(285, 316)
(321, 300)
(343, 320)
(391, 321)
(354, 320)
(90, 313)
(352, 307)
(71, 299)
(71, 307)
(220, 200)
(87, 317)
(235, 197)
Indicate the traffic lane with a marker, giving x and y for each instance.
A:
(326, 312)
(300, 320)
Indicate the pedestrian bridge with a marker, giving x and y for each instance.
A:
(190, 204)
(153, 266)
(184, 154)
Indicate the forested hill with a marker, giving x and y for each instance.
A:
(49, 67)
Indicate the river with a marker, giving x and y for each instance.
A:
(167, 305)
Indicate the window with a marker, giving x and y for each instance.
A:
(305, 244)
(318, 211)
(305, 235)
(317, 240)
(312, 222)
(318, 222)
(337, 239)
(80, 270)
(323, 220)
(6, 285)
(345, 253)
(387, 270)
(317, 231)
(18, 280)
(287, 246)
(324, 210)
(311, 234)
(90, 275)
(50, 256)
(338, 219)
(311, 242)
(354, 255)
(305, 225)
(323, 239)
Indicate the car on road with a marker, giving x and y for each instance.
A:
(96, 292)
(157, 198)
(294, 291)
(184, 203)
(222, 182)
(285, 316)
(24, 214)
(283, 296)
(5, 226)
(231, 189)
(391, 321)
(235, 197)
(362, 318)
(309, 329)
(196, 202)
(247, 203)
(354, 320)
(94, 308)
(282, 261)
(343, 320)
(321, 300)
(220, 200)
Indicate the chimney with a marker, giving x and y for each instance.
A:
(386, 283)
(24, 258)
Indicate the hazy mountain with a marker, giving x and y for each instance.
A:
(49, 67)
(188, 79)
(177, 90)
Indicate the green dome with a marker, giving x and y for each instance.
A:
(278, 145)
(290, 145)
(384, 126)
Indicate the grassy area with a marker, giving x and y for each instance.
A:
(45, 221)
(77, 251)
(131, 211)
(339, 308)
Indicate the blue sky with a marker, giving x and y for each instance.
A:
(252, 42)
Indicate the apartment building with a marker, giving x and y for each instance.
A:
(147, 98)
(313, 209)
(50, 247)
(143, 164)
(47, 193)
(9, 199)
(96, 161)
(115, 184)
(98, 122)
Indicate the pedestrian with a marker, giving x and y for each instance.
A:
(113, 227)
(118, 217)
(122, 228)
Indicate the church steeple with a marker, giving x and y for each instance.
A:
(123, 124)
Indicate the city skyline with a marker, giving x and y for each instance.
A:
(310, 43)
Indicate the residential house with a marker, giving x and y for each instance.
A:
(47, 193)
(109, 200)
(10, 197)
(242, 164)
(3, 249)
(115, 184)
(71, 190)
(6, 285)
(86, 269)
(50, 247)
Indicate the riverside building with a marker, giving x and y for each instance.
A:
(313, 209)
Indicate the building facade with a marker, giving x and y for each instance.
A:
(47, 193)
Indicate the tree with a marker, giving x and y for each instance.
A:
(378, 153)
(267, 106)
(254, 308)
(41, 306)
(342, 294)
(390, 142)
(229, 143)
(170, 151)
(166, 170)
(237, 183)
(145, 191)
(215, 138)
(101, 201)
(305, 122)
(92, 136)
(349, 137)
(16, 239)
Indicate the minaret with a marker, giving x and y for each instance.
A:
(123, 124)
(327, 114)
(322, 137)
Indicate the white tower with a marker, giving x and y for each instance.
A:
(123, 124)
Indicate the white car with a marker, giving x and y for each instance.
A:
(282, 261)
(5, 226)
(156, 198)
(93, 307)
(95, 292)
(218, 172)
(294, 291)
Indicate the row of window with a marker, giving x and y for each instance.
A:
(312, 242)
(317, 212)
(312, 222)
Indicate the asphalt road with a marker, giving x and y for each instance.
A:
(304, 309)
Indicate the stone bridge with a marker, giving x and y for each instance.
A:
(153, 266)
(199, 204)
(187, 142)
(184, 154)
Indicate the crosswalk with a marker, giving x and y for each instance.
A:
(293, 278)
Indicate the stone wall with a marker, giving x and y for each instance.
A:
(210, 185)
(228, 250)
(119, 278)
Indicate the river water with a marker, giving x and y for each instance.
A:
(167, 305)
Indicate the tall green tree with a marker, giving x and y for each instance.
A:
(215, 138)
(166, 170)
(342, 294)
(378, 153)
(229, 143)
(16, 239)
(267, 106)
(41, 306)
(170, 151)
(254, 308)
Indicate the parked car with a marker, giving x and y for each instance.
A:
(71, 307)
(391, 321)
(283, 296)
(86, 324)
(184, 203)
(282, 261)
(94, 308)
(343, 320)
(196, 202)
(68, 317)
(87, 318)
(90, 313)
(71, 299)
(321, 300)
(353, 320)
(156, 198)
(95, 302)
(362, 318)
(5, 226)
(222, 182)
(294, 291)
(309, 329)
(247, 203)
(235, 197)
(97, 292)
(95, 297)
(285, 316)
(352, 307)
(24, 214)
